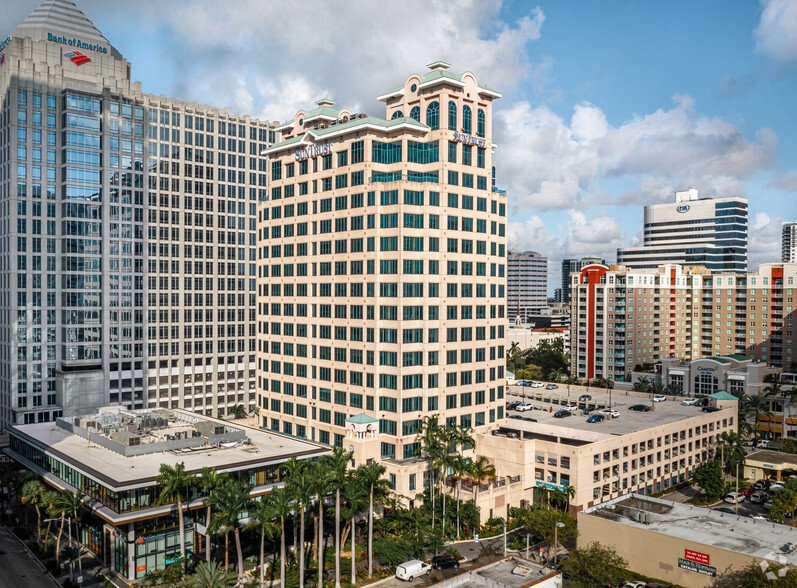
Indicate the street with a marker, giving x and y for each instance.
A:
(18, 568)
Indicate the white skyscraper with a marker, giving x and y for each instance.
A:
(527, 283)
(789, 254)
(710, 232)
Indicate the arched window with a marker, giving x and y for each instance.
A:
(433, 115)
(397, 114)
(480, 123)
(416, 113)
(467, 122)
(452, 116)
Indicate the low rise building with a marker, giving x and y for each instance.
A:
(638, 451)
(737, 374)
(692, 544)
(510, 572)
(528, 338)
(770, 465)
(114, 457)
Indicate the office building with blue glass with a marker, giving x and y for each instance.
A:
(127, 241)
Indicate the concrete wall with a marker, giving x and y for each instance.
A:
(654, 554)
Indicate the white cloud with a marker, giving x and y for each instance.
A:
(290, 53)
(764, 239)
(776, 34)
(548, 163)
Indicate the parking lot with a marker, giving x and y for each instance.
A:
(547, 402)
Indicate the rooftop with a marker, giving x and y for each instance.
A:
(577, 429)
(510, 572)
(251, 448)
(741, 534)
(764, 456)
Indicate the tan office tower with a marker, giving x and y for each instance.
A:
(127, 247)
(382, 272)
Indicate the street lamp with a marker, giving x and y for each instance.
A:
(556, 541)
(736, 506)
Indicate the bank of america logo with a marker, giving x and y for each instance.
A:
(77, 57)
(2, 58)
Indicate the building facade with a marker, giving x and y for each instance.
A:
(527, 284)
(129, 230)
(570, 266)
(789, 243)
(690, 231)
(382, 273)
(623, 317)
(736, 374)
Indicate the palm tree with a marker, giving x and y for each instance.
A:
(774, 389)
(556, 375)
(32, 493)
(641, 384)
(175, 482)
(70, 503)
(210, 481)
(462, 467)
(356, 493)
(731, 450)
(338, 463)
(261, 512)
(429, 438)
(322, 477)
(673, 389)
(237, 412)
(481, 470)
(211, 575)
(301, 488)
(378, 488)
(755, 405)
(230, 501)
(55, 509)
(281, 507)
(570, 493)
(48, 499)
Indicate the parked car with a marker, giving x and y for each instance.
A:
(689, 401)
(640, 408)
(556, 563)
(725, 510)
(775, 487)
(628, 584)
(524, 406)
(515, 416)
(443, 562)
(710, 409)
(559, 414)
(570, 406)
(761, 485)
(610, 412)
(587, 411)
(537, 384)
(596, 418)
(412, 569)
(551, 387)
(759, 497)
(529, 419)
(659, 398)
(758, 517)
(512, 405)
(702, 402)
(768, 504)
(747, 491)
(584, 398)
(734, 497)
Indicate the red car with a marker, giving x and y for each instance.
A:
(747, 491)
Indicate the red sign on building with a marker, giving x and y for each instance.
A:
(696, 556)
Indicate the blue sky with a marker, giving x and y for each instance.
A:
(607, 106)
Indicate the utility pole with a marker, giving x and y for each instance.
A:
(736, 506)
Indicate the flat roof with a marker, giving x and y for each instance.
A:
(510, 572)
(576, 426)
(119, 472)
(764, 456)
(741, 534)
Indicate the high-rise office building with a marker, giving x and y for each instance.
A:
(789, 243)
(128, 234)
(527, 284)
(623, 317)
(382, 273)
(711, 232)
(570, 266)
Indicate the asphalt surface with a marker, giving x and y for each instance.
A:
(18, 567)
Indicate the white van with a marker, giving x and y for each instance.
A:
(412, 569)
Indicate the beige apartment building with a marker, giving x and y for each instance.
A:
(382, 273)
(624, 317)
